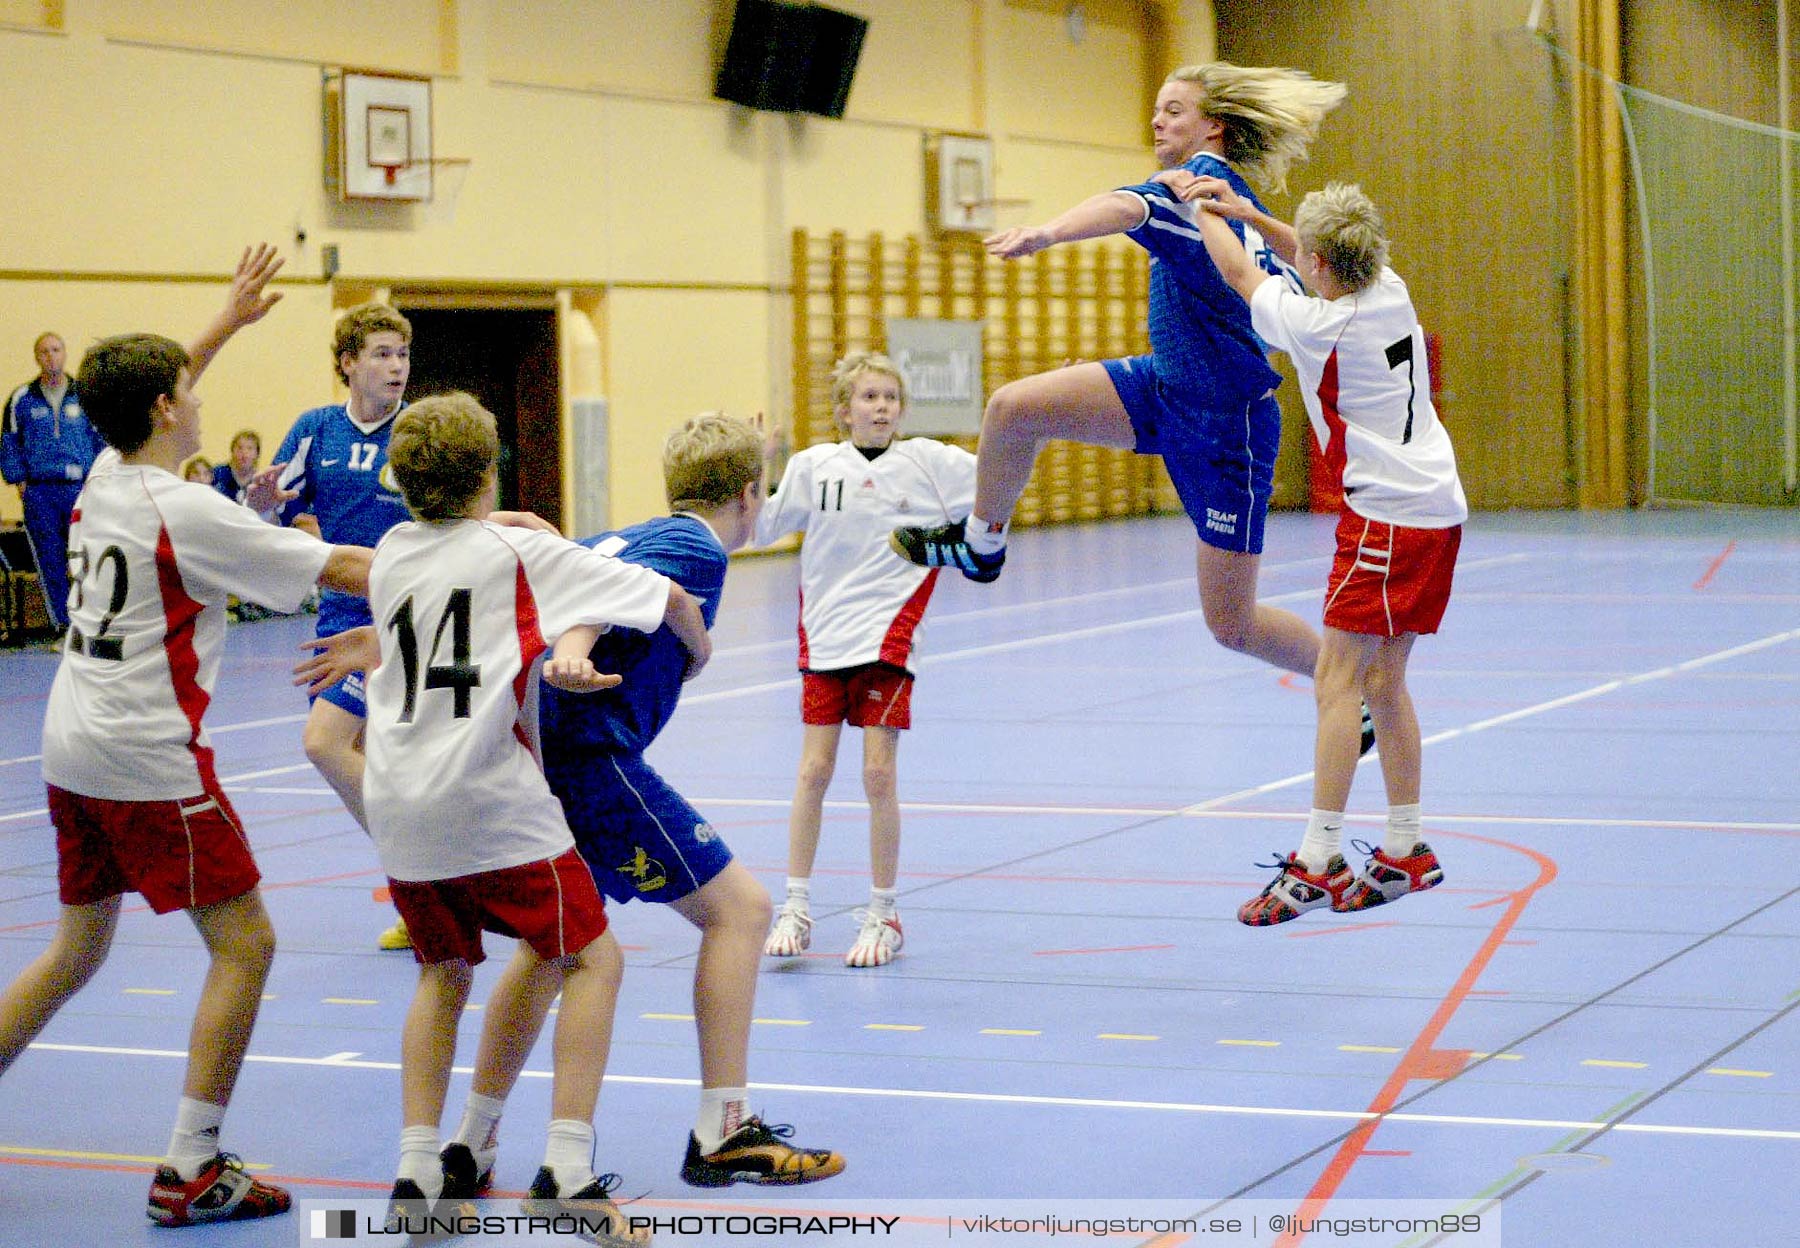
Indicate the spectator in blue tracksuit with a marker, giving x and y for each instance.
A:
(46, 448)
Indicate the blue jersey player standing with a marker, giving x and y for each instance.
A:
(643, 841)
(333, 466)
(1204, 398)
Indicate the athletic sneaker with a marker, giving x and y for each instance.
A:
(1295, 890)
(221, 1192)
(792, 934)
(758, 1153)
(946, 546)
(1368, 731)
(407, 1206)
(396, 937)
(468, 1172)
(1385, 879)
(878, 941)
(600, 1219)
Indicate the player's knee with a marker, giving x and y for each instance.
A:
(1383, 687)
(1230, 630)
(879, 780)
(324, 749)
(1006, 409)
(815, 775)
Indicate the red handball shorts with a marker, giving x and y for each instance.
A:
(552, 905)
(181, 855)
(874, 695)
(1388, 580)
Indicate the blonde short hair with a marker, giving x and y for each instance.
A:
(1271, 115)
(709, 460)
(442, 450)
(845, 372)
(358, 325)
(1343, 227)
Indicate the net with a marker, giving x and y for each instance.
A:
(1716, 200)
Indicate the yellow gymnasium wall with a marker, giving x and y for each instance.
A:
(149, 139)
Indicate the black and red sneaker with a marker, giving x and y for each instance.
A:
(221, 1192)
(1384, 879)
(1295, 890)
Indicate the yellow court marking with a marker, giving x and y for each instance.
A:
(1253, 1044)
(783, 1022)
(1123, 1035)
(351, 1001)
(271, 996)
(1008, 1031)
(471, 1007)
(1744, 1074)
(1497, 1057)
(669, 1018)
(151, 992)
(1368, 1048)
(19, 1150)
(1601, 1061)
(892, 1027)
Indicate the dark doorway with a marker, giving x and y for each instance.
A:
(506, 358)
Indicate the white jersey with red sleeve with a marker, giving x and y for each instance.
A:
(463, 610)
(859, 601)
(1363, 374)
(152, 562)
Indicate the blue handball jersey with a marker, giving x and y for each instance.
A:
(1206, 352)
(343, 478)
(626, 718)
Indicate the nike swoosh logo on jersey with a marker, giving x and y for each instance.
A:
(326, 463)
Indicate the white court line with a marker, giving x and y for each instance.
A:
(1191, 812)
(1482, 725)
(246, 726)
(1182, 812)
(1052, 639)
(340, 1062)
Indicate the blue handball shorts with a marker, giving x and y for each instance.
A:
(348, 693)
(638, 836)
(1222, 463)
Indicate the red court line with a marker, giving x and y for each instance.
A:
(1713, 567)
(1422, 1058)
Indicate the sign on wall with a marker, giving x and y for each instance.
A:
(941, 361)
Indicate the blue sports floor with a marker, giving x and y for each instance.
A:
(1593, 1020)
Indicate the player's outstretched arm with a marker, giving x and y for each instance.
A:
(1234, 263)
(338, 656)
(689, 626)
(1112, 212)
(347, 570)
(570, 669)
(245, 304)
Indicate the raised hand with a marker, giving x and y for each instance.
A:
(338, 656)
(247, 303)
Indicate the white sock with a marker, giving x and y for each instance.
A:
(985, 537)
(1402, 830)
(195, 1140)
(882, 902)
(1324, 838)
(799, 893)
(480, 1127)
(722, 1111)
(419, 1147)
(569, 1152)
